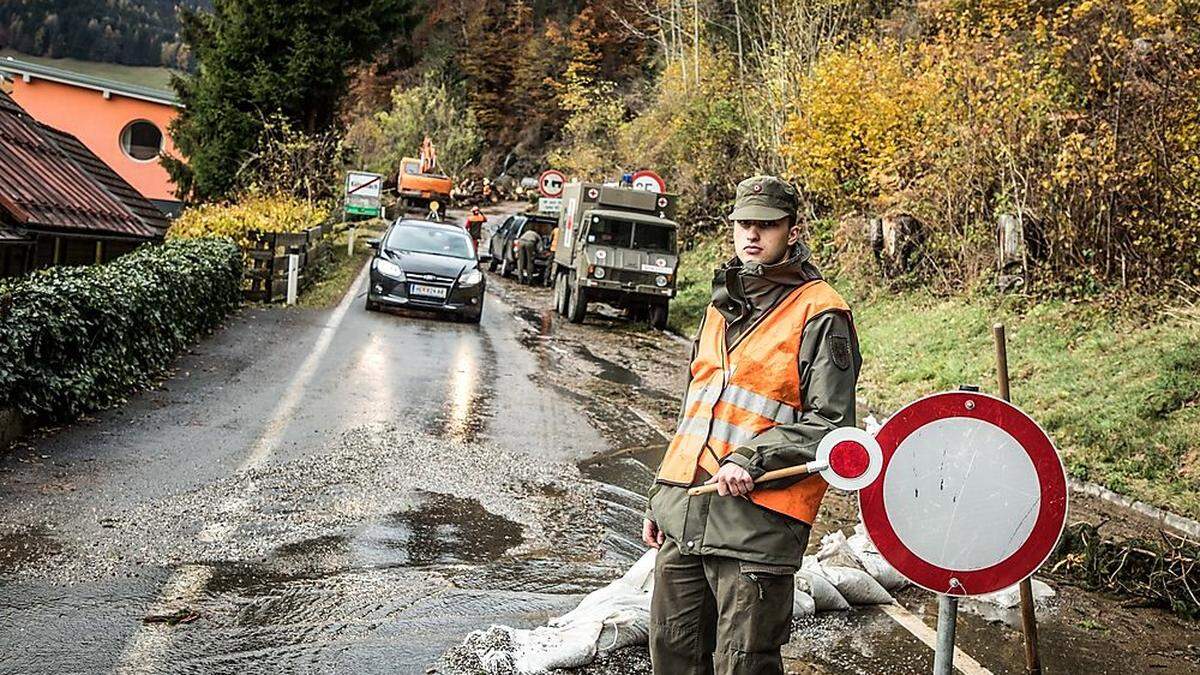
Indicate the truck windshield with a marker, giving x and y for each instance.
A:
(627, 234)
(654, 238)
(607, 232)
(437, 241)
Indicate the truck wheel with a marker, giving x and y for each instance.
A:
(576, 303)
(658, 315)
(560, 294)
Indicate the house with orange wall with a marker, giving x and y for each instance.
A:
(124, 125)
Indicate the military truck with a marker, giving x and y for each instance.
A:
(615, 245)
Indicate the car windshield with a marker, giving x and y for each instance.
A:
(435, 240)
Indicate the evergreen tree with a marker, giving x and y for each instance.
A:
(260, 57)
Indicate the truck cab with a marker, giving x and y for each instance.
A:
(618, 246)
(418, 188)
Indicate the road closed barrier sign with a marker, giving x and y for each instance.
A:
(971, 496)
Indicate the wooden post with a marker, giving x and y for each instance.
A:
(1033, 662)
(57, 251)
(99, 251)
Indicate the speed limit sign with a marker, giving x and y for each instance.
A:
(971, 498)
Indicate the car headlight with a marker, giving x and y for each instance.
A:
(598, 272)
(660, 281)
(470, 277)
(389, 269)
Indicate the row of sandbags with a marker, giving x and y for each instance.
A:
(845, 572)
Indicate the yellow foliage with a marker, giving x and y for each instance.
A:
(235, 220)
(1081, 119)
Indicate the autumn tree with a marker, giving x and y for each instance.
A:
(260, 57)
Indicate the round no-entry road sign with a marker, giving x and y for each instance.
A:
(649, 181)
(550, 183)
(972, 496)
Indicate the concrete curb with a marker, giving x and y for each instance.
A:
(13, 425)
(1164, 518)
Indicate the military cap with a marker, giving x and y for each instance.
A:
(765, 198)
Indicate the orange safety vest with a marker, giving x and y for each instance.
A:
(554, 240)
(737, 394)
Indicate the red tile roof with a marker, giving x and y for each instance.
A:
(123, 191)
(44, 186)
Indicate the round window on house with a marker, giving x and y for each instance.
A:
(141, 140)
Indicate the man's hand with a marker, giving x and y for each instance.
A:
(732, 479)
(651, 534)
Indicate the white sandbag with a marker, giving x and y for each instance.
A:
(857, 587)
(835, 552)
(608, 618)
(870, 559)
(1007, 598)
(825, 595)
(803, 605)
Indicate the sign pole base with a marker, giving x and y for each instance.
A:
(943, 656)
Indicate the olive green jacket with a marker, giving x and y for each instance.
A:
(736, 527)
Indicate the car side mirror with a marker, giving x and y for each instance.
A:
(373, 243)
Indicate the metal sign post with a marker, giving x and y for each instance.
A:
(1033, 662)
(943, 655)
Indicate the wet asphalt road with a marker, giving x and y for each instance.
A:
(343, 491)
(329, 490)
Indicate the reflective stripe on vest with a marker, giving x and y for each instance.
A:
(737, 394)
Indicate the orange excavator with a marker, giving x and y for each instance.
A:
(421, 182)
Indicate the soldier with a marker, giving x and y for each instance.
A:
(774, 368)
(528, 245)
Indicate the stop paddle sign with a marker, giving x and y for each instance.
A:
(972, 495)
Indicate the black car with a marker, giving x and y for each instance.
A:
(502, 244)
(420, 264)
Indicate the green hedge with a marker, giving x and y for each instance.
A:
(77, 339)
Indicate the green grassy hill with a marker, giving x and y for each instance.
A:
(1118, 394)
(145, 76)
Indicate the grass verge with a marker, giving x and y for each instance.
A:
(343, 267)
(1117, 394)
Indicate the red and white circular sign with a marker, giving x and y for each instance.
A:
(649, 181)
(850, 457)
(550, 183)
(972, 497)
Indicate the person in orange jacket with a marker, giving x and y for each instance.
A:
(474, 225)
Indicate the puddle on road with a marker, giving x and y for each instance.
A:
(26, 546)
(541, 320)
(444, 530)
(609, 371)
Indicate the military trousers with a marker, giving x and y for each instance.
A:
(525, 256)
(712, 614)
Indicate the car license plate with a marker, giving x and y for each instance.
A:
(428, 291)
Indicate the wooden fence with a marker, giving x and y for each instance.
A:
(267, 260)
